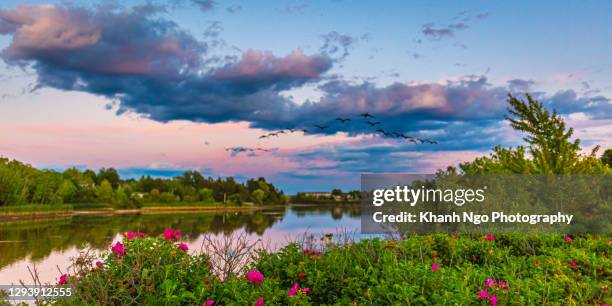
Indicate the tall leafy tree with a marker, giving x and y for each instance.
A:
(549, 144)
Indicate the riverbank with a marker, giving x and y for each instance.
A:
(424, 269)
(35, 210)
(50, 211)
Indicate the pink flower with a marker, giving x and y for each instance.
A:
(435, 267)
(209, 303)
(573, 264)
(306, 290)
(493, 300)
(483, 294)
(259, 301)
(293, 290)
(63, 279)
(172, 234)
(118, 249)
(311, 252)
(568, 239)
(183, 247)
(490, 282)
(490, 237)
(255, 277)
(132, 235)
(99, 265)
(504, 285)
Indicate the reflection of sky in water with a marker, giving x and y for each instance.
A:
(315, 222)
(288, 226)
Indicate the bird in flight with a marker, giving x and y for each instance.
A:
(343, 120)
(263, 136)
(321, 127)
(372, 123)
(366, 115)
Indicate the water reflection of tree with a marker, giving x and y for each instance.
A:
(336, 211)
(36, 239)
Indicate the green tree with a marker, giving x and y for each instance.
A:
(258, 196)
(122, 200)
(110, 175)
(336, 192)
(549, 144)
(104, 192)
(606, 158)
(206, 195)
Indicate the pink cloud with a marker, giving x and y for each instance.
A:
(47, 27)
(263, 64)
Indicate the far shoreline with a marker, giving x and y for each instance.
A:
(42, 214)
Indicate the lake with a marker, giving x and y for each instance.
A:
(50, 243)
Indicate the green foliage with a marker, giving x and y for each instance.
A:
(206, 195)
(378, 272)
(258, 196)
(606, 158)
(22, 184)
(155, 271)
(537, 268)
(152, 270)
(235, 199)
(549, 144)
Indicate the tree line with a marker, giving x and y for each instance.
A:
(23, 184)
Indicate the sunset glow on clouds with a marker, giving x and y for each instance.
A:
(156, 88)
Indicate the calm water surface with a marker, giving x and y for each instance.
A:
(50, 243)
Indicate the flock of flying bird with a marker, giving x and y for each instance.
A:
(368, 119)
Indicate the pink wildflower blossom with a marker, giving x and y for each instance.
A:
(183, 247)
(118, 248)
(490, 282)
(490, 237)
(435, 267)
(172, 234)
(573, 264)
(504, 285)
(63, 279)
(493, 300)
(255, 277)
(568, 239)
(293, 290)
(483, 294)
(132, 235)
(260, 301)
(209, 303)
(99, 265)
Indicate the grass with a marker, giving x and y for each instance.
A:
(91, 206)
(184, 204)
(34, 209)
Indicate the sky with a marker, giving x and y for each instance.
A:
(159, 87)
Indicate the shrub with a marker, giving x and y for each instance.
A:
(423, 270)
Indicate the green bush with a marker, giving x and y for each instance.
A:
(421, 270)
